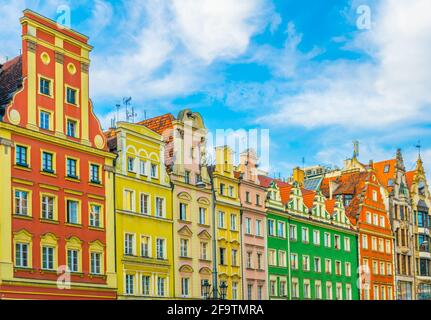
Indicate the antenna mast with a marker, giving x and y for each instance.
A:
(129, 114)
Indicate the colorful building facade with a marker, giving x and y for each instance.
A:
(228, 223)
(420, 205)
(392, 175)
(192, 203)
(143, 213)
(253, 230)
(57, 217)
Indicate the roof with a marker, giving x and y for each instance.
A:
(313, 183)
(285, 193)
(410, 175)
(266, 181)
(10, 79)
(385, 171)
(159, 124)
(308, 197)
(330, 205)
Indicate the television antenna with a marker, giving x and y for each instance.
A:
(130, 114)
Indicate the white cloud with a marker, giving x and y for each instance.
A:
(390, 89)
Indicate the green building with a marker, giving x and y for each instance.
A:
(312, 245)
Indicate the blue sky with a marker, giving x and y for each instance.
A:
(302, 69)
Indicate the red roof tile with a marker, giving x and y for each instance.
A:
(285, 193)
(410, 175)
(330, 205)
(266, 181)
(159, 124)
(308, 197)
(389, 167)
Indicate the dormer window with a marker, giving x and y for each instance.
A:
(387, 167)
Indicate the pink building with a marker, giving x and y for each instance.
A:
(253, 220)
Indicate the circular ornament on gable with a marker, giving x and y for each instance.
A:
(45, 58)
(14, 117)
(98, 141)
(71, 68)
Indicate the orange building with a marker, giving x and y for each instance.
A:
(56, 199)
(363, 198)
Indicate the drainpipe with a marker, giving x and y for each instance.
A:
(288, 261)
(115, 211)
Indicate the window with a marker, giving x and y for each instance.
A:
(248, 260)
(272, 287)
(328, 266)
(259, 261)
(204, 251)
(382, 221)
(47, 258)
(160, 248)
(247, 225)
(94, 174)
(374, 243)
(307, 291)
(368, 217)
(145, 246)
(389, 269)
(72, 212)
(159, 207)
(381, 246)
(45, 120)
(328, 290)
(305, 263)
(233, 222)
(375, 268)
(292, 232)
(339, 291)
(316, 237)
(230, 191)
(258, 200)
(146, 284)
(249, 291)
(21, 203)
(45, 86)
(143, 167)
(346, 244)
(47, 162)
(364, 241)
(71, 128)
(258, 230)
(130, 164)
(129, 244)
(184, 248)
(202, 216)
(375, 195)
(294, 261)
(234, 257)
(281, 230)
(161, 287)
(388, 247)
(382, 268)
(295, 288)
(376, 292)
(282, 258)
(221, 219)
(347, 269)
(348, 292)
(282, 288)
(222, 186)
(234, 290)
(154, 171)
(95, 261)
(48, 207)
(271, 227)
(317, 265)
(338, 268)
(222, 254)
(183, 212)
(129, 199)
(21, 255)
(187, 177)
(305, 236)
(375, 219)
(21, 156)
(71, 168)
(144, 203)
(337, 242)
(247, 197)
(72, 260)
(71, 96)
(95, 211)
(259, 292)
(130, 283)
(271, 257)
(318, 289)
(387, 167)
(185, 287)
(389, 293)
(327, 240)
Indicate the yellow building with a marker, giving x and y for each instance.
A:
(228, 223)
(143, 213)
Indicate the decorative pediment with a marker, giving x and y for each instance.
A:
(205, 270)
(184, 196)
(204, 235)
(23, 235)
(204, 201)
(185, 231)
(186, 268)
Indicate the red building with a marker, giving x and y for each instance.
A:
(57, 215)
(363, 198)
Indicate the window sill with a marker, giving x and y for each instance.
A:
(96, 228)
(74, 225)
(49, 174)
(51, 221)
(185, 257)
(184, 221)
(49, 271)
(46, 95)
(96, 275)
(94, 184)
(25, 269)
(203, 225)
(73, 179)
(22, 167)
(23, 217)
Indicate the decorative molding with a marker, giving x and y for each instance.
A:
(31, 46)
(85, 67)
(59, 57)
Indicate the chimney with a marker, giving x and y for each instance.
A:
(332, 187)
(299, 176)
